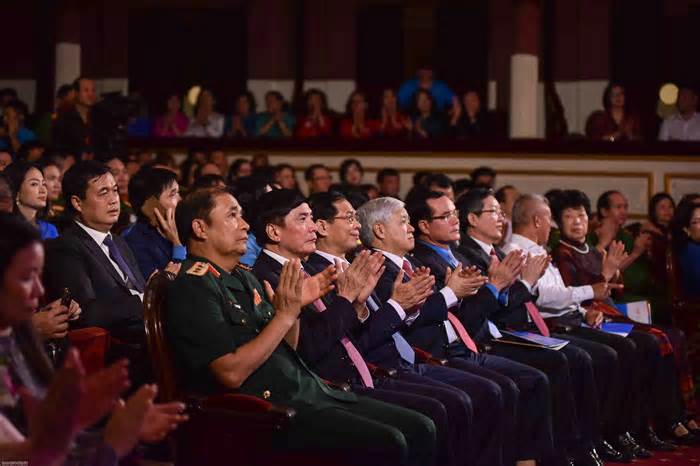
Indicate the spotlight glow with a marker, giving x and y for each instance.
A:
(668, 94)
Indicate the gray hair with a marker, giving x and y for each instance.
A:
(523, 209)
(377, 210)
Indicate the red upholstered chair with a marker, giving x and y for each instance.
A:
(232, 429)
(92, 344)
(427, 358)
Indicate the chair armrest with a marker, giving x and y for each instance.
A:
(92, 343)
(342, 386)
(427, 358)
(382, 372)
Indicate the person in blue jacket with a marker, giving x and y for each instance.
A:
(154, 194)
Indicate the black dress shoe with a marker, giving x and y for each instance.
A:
(652, 441)
(635, 448)
(587, 459)
(608, 453)
(623, 447)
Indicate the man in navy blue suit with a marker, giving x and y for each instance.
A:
(336, 333)
(576, 410)
(385, 227)
(436, 224)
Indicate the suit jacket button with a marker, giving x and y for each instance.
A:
(267, 394)
(243, 321)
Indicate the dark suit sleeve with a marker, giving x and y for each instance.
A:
(65, 268)
(474, 310)
(320, 331)
(379, 327)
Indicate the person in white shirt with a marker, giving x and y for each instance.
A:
(616, 358)
(684, 125)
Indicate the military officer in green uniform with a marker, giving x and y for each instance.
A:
(228, 333)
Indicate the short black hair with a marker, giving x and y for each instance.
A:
(345, 166)
(482, 171)
(273, 207)
(15, 235)
(76, 180)
(386, 172)
(207, 181)
(5, 188)
(309, 173)
(322, 204)
(472, 202)
(148, 182)
(64, 90)
(418, 208)
(197, 204)
(282, 166)
(501, 193)
(276, 94)
(420, 176)
(462, 185)
(439, 179)
(570, 199)
(235, 166)
(604, 201)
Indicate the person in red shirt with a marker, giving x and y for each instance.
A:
(393, 123)
(356, 124)
(316, 123)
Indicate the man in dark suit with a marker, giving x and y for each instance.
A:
(436, 223)
(99, 269)
(332, 331)
(385, 227)
(576, 410)
(228, 335)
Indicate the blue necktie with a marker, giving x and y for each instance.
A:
(123, 266)
(402, 346)
(404, 349)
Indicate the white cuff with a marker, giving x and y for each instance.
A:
(397, 307)
(450, 297)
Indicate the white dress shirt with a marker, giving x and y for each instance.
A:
(213, 129)
(555, 298)
(99, 237)
(283, 260)
(677, 128)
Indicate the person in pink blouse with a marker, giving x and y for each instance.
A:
(173, 123)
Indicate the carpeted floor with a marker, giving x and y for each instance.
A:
(684, 456)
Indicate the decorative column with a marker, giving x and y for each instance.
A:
(67, 58)
(524, 64)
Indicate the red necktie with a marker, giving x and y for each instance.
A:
(350, 348)
(462, 332)
(407, 268)
(537, 318)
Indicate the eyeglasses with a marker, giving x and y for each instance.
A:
(351, 218)
(449, 215)
(498, 212)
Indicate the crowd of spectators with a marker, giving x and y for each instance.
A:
(101, 226)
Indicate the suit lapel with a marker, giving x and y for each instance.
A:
(97, 253)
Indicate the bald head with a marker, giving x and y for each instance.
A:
(532, 218)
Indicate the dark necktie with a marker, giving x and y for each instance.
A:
(123, 266)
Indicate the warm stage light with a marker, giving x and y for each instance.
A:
(193, 95)
(668, 94)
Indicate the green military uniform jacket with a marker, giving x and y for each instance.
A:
(211, 312)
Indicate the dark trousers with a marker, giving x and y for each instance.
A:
(555, 364)
(369, 432)
(486, 437)
(426, 399)
(526, 399)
